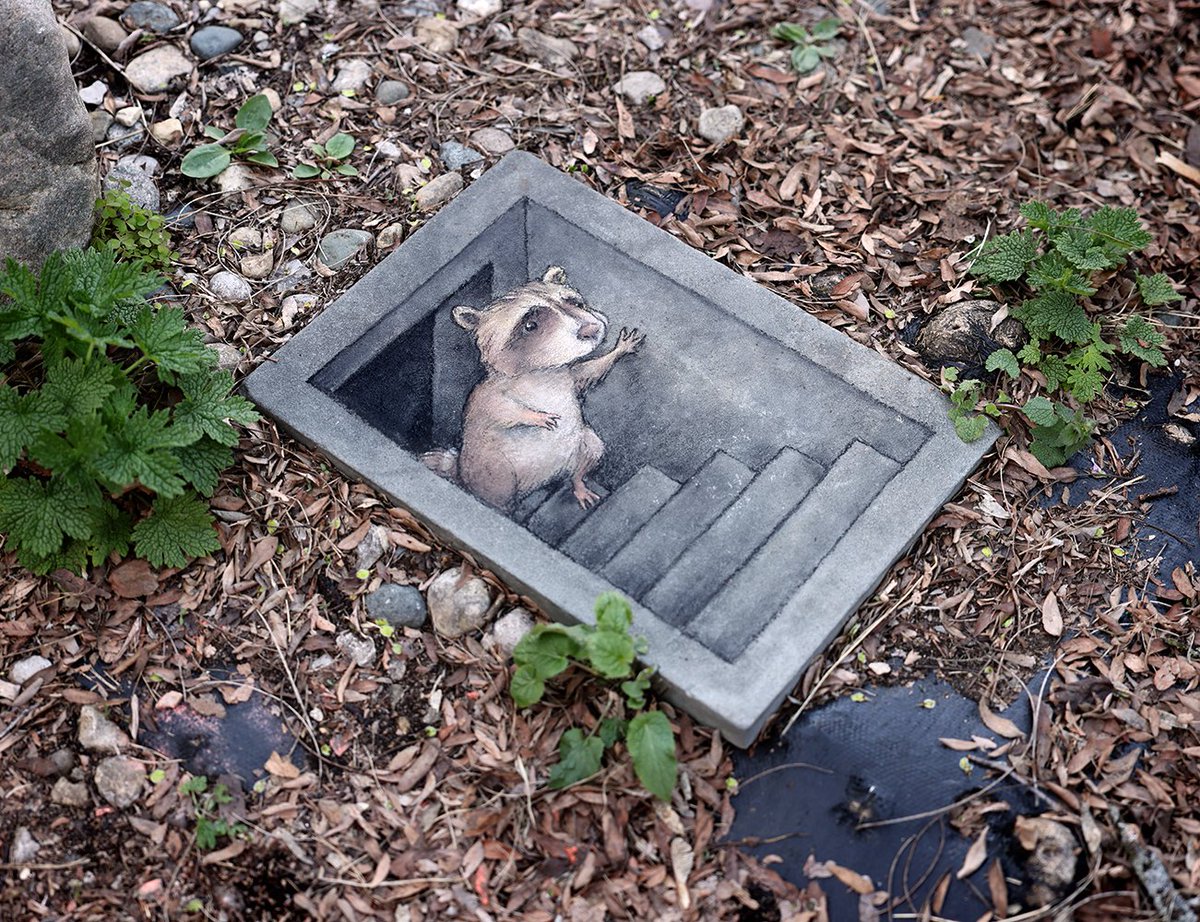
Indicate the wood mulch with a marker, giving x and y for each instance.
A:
(420, 793)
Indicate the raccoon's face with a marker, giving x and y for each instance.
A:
(543, 324)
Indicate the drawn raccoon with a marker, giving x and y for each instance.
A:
(523, 425)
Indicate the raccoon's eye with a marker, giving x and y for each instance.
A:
(530, 326)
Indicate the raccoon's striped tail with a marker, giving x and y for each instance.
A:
(443, 462)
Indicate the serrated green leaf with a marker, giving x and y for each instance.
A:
(255, 114)
(201, 463)
(610, 653)
(37, 515)
(1120, 229)
(1085, 251)
(1140, 339)
(526, 686)
(1003, 360)
(611, 730)
(613, 612)
(651, 743)
(209, 409)
(1004, 258)
(1156, 289)
(78, 387)
(1040, 411)
(970, 428)
(112, 531)
(177, 529)
(1038, 214)
(23, 417)
(578, 758)
(138, 450)
(546, 650)
(165, 339)
(1084, 383)
(1052, 270)
(205, 161)
(1055, 313)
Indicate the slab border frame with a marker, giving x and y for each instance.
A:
(739, 697)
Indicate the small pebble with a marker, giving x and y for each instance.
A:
(509, 629)
(399, 606)
(128, 116)
(156, 70)
(299, 217)
(458, 606)
(639, 85)
(24, 847)
(720, 124)
(168, 132)
(438, 36)
(101, 122)
(480, 7)
(455, 155)
(493, 140)
(136, 184)
(228, 356)
(440, 190)
(389, 150)
(93, 94)
(290, 276)
(257, 265)
(340, 246)
(246, 238)
(371, 547)
(390, 236)
(215, 40)
(236, 177)
(69, 793)
(294, 11)
(228, 286)
(151, 16)
(123, 138)
(360, 649)
(390, 92)
(119, 780)
(98, 733)
(24, 670)
(651, 37)
(546, 48)
(106, 34)
(71, 40)
(352, 76)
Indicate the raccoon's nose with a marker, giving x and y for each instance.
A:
(590, 330)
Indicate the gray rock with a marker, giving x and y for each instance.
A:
(299, 217)
(720, 124)
(457, 605)
(340, 246)
(119, 780)
(437, 36)
(546, 48)
(49, 184)
(440, 190)
(978, 42)
(229, 286)
(257, 266)
(63, 761)
(360, 649)
(324, 661)
(245, 238)
(399, 606)
(651, 36)
(215, 40)
(639, 85)
(69, 793)
(98, 733)
(390, 92)
(23, 670)
(93, 94)
(480, 7)
(106, 34)
(509, 629)
(389, 236)
(141, 162)
(455, 155)
(294, 11)
(290, 276)
(352, 76)
(24, 847)
(128, 116)
(138, 185)
(371, 548)
(493, 140)
(151, 16)
(158, 69)
(122, 137)
(183, 215)
(228, 356)
(74, 45)
(101, 122)
(389, 150)
(237, 177)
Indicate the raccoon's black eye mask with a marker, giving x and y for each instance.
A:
(528, 323)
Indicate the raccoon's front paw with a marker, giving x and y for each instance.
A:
(585, 497)
(544, 420)
(629, 340)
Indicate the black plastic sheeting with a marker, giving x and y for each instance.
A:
(851, 763)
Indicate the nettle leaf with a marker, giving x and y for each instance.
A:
(37, 515)
(1038, 214)
(209, 409)
(254, 115)
(1055, 313)
(78, 387)
(1004, 360)
(23, 417)
(1085, 251)
(1031, 353)
(1040, 411)
(651, 743)
(201, 463)
(970, 428)
(1156, 289)
(1004, 258)
(177, 529)
(613, 612)
(111, 532)
(578, 758)
(1120, 228)
(138, 450)
(526, 686)
(546, 650)
(164, 338)
(1052, 270)
(611, 730)
(1142, 340)
(611, 654)
(205, 161)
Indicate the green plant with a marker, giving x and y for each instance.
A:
(809, 46)
(248, 140)
(133, 233)
(113, 419)
(206, 805)
(328, 158)
(606, 650)
(1056, 267)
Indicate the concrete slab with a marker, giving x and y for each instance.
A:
(760, 471)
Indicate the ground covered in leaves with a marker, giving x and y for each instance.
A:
(412, 789)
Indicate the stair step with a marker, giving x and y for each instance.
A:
(734, 537)
(610, 525)
(642, 562)
(559, 515)
(748, 602)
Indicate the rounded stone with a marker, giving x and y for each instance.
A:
(168, 132)
(119, 780)
(290, 276)
(106, 34)
(294, 11)
(69, 793)
(458, 605)
(651, 37)
(340, 246)
(257, 265)
(236, 177)
(98, 733)
(493, 140)
(24, 847)
(215, 40)
(438, 191)
(101, 122)
(74, 45)
(24, 670)
(390, 92)
(228, 286)
(639, 85)
(151, 16)
(455, 155)
(158, 69)
(299, 217)
(509, 629)
(360, 649)
(136, 183)
(245, 238)
(480, 8)
(352, 76)
(390, 236)
(720, 124)
(399, 606)
(962, 333)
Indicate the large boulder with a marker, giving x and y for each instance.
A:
(48, 178)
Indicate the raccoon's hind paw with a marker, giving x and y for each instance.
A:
(443, 462)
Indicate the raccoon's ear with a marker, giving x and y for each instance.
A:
(555, 275)
(467, 317)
